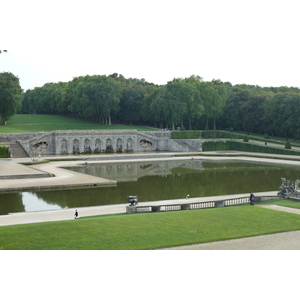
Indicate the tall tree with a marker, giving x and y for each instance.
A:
(95, 97)
(214, 94)
(132, 100)
(193, 99)
(235, 111)
(175, 93)
(10, 96)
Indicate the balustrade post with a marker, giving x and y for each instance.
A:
(220, 203)
(185, 206)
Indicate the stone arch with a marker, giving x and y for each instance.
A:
(129, 145)
(64, 147)
(109, 147)
(120, 145)
(145, 144)
(76, 149)
(97, 146)
(87, 146)
(40, 148)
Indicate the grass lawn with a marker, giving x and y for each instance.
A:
(36, 123)
(285, 202)
(149, 231)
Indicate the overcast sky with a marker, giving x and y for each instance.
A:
(240, 41)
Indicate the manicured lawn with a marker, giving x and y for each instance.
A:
(149, 231)
(36, 123)
(285, 202)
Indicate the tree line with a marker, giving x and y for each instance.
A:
(113, 98)
(188, 103)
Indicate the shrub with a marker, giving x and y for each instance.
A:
(246, 139)
(4, 152)
(288, 145)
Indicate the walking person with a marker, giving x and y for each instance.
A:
(76, 214)
(251, 198)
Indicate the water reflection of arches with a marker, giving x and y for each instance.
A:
(76, 147)
(109, 169)
(119, 168)
(129, 167)
(64, 147)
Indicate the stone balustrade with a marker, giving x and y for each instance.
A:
(196, 205)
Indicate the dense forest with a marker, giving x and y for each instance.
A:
(188, 103)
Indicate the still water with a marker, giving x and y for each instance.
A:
(155, 181)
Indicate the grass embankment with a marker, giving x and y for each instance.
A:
(149, 231)
(36, 123)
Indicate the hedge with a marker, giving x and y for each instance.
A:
(220, 134)
(205, 134)
(248, 147)
(4, 152)
(186, 135)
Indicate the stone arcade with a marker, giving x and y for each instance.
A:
(66, 142)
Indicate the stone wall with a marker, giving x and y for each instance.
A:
(12, 137)
(96, 141)
(64, 142)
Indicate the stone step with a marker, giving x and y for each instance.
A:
(17, 151)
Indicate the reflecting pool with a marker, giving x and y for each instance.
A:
(153, 181)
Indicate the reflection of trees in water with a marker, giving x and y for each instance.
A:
(81, 197)
(10, 203)
(208, 183)
(216, 180)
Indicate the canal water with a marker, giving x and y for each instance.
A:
(154, 181)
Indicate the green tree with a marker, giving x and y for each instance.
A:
(159, 109)
(132, 100)
(95, 97)
(193, 99)
(148, 109)
(214, 95)
(175, 93)
(10, 96)
(235, 110)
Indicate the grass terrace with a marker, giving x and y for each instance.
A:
(36, 123)
(151, 231)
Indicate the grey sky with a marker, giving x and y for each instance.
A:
(252, 42)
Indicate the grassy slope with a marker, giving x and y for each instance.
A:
(149, 231)
(36, 123)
